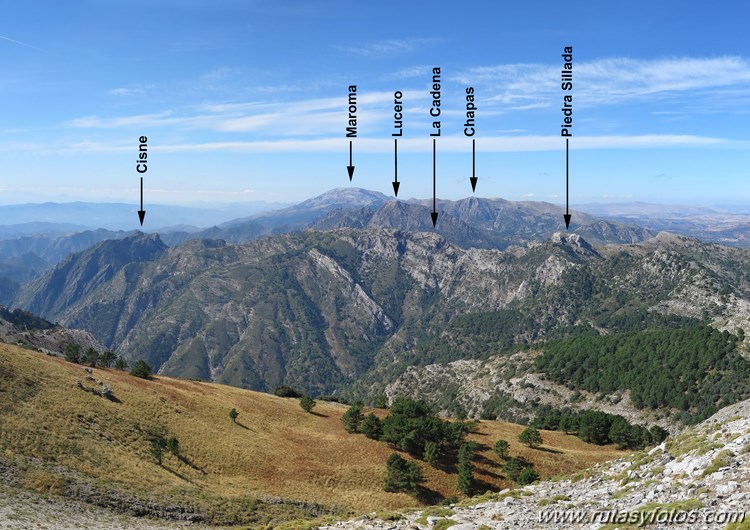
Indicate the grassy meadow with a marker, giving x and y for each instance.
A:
(276, 463)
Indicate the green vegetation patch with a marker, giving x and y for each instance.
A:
(696, 369)
(721, 460)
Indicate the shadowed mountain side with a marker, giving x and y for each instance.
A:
(319, 310)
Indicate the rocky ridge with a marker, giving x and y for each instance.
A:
(41, 335)
(474, 382)
(322, 309)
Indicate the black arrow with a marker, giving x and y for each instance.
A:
(395, 167)
(567, 187)
(141, 212)
(350, 167)
(473, 165)
(434, 213)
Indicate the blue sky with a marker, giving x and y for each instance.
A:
(246, 100)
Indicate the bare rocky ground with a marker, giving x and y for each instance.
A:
(25, 510)
(699, 479)
(476, 381)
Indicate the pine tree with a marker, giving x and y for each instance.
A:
(513, 467)
(233, 414)
(465, 478)
(106, 358)
(501, 448)
(91, 357)
(432, 453)
(567, 424)
(372, 427)
(402, 475)
(72, 353)
(158, 444)
(620, 432)
(141, 369)
(466, 468)
(352, 418)
(307, 403)
(531, 437)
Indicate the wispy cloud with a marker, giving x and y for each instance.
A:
(95, 122)
(451, 144)
(410, 72)
(612, 80)
(316, 117)
(386, 47)
(125, 92)
(14, 41)
(504, 88)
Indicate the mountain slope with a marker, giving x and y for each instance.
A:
(321, 310)
(81, 273)
(22, 328)
(276, 463)
(696, 480)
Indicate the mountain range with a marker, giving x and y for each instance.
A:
(494, 314)
(352, 309)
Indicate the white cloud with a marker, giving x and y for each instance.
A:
(450, 144)
(445, 144)
(411, 72)
(386, 47)
(125, 92)
(306, 117)
(611, 80)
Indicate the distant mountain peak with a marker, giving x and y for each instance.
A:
(350, 197)
(573, 242)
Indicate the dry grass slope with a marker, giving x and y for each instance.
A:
(275, 449)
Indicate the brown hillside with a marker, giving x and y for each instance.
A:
(275, 450)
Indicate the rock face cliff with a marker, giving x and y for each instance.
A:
(24, 329)
(697, 479)
(321, 310)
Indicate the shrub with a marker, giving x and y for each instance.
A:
(287, 392)
(307, 403)
(141, 369)
(121, 364)
(380, 402)
(527, 476)
(173, 446)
